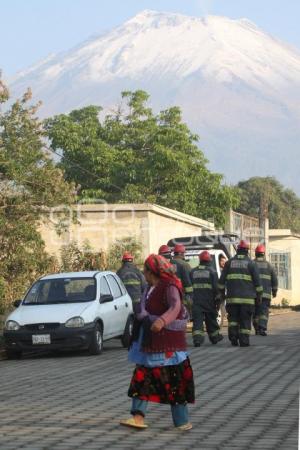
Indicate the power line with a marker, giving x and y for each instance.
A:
(74, 164)
(96, 177)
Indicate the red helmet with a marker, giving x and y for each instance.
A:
(179, 248)
(243, 245)
(163, 249)
(260, 249)
(205, 256)
(127, 257)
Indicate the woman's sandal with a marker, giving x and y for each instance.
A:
(132, 423)
(185, 427)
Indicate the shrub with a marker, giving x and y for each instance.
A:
(285, 302)
(116, 251)
(76, 259)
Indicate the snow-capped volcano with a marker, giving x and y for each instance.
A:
(238, 87)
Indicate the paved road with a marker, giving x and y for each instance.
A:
(247, 398)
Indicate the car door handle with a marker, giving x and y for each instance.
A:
(116, 307)
(126, 304)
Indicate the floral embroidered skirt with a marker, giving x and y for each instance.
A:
(166, 384)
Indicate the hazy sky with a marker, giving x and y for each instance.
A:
(31, 29)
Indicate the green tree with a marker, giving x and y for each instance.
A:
(30, 185)
(282, 205)
(86, 158)
(134, 155)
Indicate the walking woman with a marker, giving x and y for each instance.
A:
(163, 373)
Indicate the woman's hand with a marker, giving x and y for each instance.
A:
(157, 325)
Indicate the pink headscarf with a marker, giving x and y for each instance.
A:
(163, 269)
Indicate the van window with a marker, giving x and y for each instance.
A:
(61, 290)
(193, 261)
(213, 263)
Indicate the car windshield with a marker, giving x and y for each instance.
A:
(61, 290)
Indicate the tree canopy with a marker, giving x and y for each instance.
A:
(282, 204)
(133, 155)
(30, 182)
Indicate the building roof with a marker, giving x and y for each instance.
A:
(282, 233)
(156, 209)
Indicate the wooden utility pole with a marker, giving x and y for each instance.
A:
(264, 218)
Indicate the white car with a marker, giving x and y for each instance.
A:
(73, 310)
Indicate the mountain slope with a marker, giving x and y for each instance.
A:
(238, 87)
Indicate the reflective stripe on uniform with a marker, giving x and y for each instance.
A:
(265, 276)
(259, 289)
(188, 289)
(244, 331)
(132, 282)
(239, 276)
(267, 296)
(263, 317)
(198, 333)
(202, 286)
(241, 301)
(221, 286)
(232, 324)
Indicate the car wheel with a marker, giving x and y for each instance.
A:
(96, 345)
(126, 338)
(13, 354)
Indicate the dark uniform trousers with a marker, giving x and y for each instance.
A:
(239, 322)
(270, 285)
(261, 316)
(200, 316)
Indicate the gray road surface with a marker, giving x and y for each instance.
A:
(247, 398)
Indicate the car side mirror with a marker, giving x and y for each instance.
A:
(106, 298)
(17, 303)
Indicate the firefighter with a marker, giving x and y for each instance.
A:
(132, 278)
(179, 257)
(183, 271)
(241, 280)
(165, 251)
(205, 301)
(270, 286)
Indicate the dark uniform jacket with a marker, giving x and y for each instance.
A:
(241, 279)
(268, 277)
(133, 280)
(205, 286)
(183, 273)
